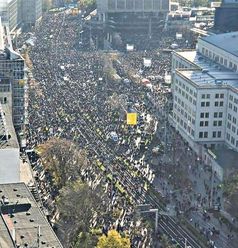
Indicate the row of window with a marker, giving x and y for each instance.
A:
(233, 107)
(183, 105)
(185, 114)
(206, 123)
(216, 104)
(232, 128)
(208, 96)
(215, 134)
(234, 120)
(184, 124)
(235, 100)
(232, 139)
(186, 88)
(219, 59)
(185, 95)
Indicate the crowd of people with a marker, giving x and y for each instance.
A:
(72, 97)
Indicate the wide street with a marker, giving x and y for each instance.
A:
(73, 96)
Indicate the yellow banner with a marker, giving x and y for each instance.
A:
(131, 119)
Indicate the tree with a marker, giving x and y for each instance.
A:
(87, 4)
(78, 204)
(113, 240)
(85, 240)
(62, 159)
(165, 243)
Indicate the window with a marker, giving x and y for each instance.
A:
(207, 104)
(221, 95)
(229, 125)
(219, 123)
(214, 134)
(215, 114)
(219, 134)
(220, 114)
(216, 104)
(200, 134)
(206, 123)
(201, 123)
(235, 109)
(207, 115)
(202, 104)
(217, 96)
(214, 123)
(233, 129)
(203, 96)
(234, 120)
(221, 104)
(202, 115)
(230, 106)
(205, 134)
(208, 96)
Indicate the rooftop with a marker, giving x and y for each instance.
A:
(211, 78)
(226, 41)
(23, 219)
(207, 72)
(8, 138)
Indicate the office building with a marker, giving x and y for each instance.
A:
(30, 12)
(9, 13)
(226, 16)
(12, 78)
(22, 222)
(20, 13)
(205, 91)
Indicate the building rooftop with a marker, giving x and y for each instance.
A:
(8, 138)
(211, 78)
(200, 61)
(22, 220)
(226, 41)
(207, 72)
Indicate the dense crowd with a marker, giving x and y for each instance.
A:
(71, 97)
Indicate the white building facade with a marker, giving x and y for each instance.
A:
(205, 92)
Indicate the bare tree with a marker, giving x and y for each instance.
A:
(62, 159)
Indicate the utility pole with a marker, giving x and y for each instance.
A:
(153, 210)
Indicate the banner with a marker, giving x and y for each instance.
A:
(147, 62)
(131, 118)
(129, 48)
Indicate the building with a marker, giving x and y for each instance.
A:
(106, 7)
(118, 19)
(30, 12)
(12, 78)
(226, 16)
(9, 148)
(205, 99)
(9, 13)
(22, 222)
(17, 13)
(205, 92)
